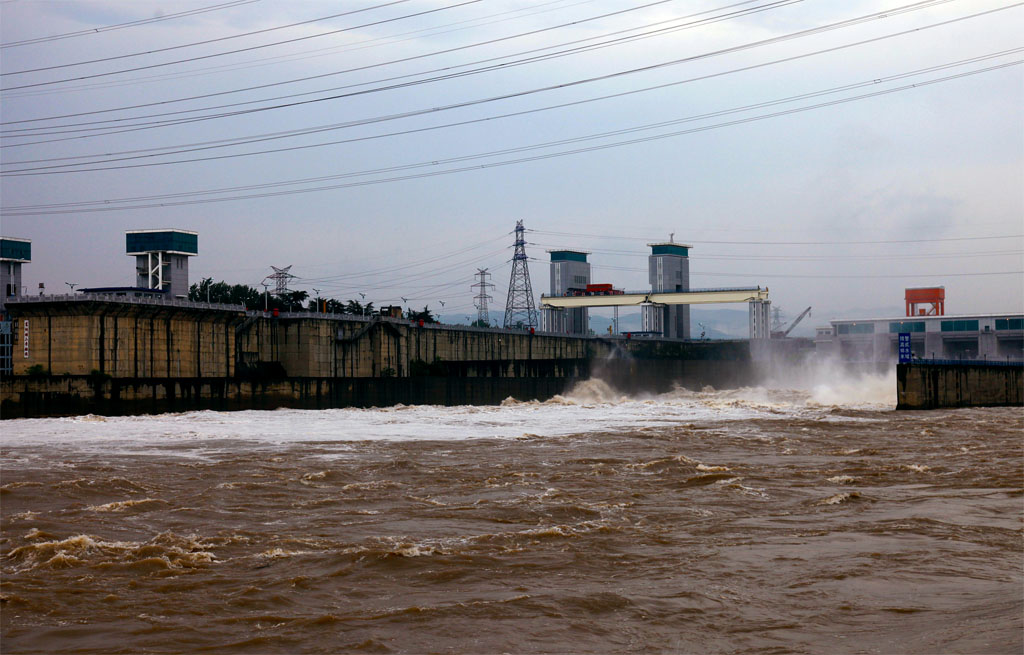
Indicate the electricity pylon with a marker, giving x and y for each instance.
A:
(483, 315)
(520, 310)
(281, 277)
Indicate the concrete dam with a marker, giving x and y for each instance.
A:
(122, 355)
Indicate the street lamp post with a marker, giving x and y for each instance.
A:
(266, 296)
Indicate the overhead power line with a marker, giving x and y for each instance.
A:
(856, 277)
(823, 276)
(121, 26)
(76, 167)
(767, 275)
(781, 243)
(216, 40)
(703, 256)
(363, 44)
(160, 200)
(239, 50)
(406, 265)
(223, 143)
(447, 74)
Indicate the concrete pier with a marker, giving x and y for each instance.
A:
(970, 384)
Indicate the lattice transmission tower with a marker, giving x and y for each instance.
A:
(281, 277)
(483, 314)
(520, 310)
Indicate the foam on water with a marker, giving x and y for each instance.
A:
(592, 406)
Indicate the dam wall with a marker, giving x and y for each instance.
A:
(110, 356)
(123, 338)
(26, 396)
(320, 345)
(70, 395)
(927, 385)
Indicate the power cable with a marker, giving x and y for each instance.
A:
(311, 130)
(771, 5)
(303, 38)
(405, 265)
(791, 243)
(810, 258)
(216, 40)
(289, 134)
(534, 9)
(857, 277)
(433, 110)
(120, 26)
(807, 276)
(231, 52)
(107, 205)
(401, 281)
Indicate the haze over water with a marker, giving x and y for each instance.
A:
(758, 520)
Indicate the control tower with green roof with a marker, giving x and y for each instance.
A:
(161, 258)
(13, 253)
(669, 270)
(570, 271)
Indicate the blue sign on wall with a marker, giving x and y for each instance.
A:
(905, 352)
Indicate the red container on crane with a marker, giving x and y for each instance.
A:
(603, 290)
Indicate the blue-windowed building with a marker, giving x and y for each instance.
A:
(975, 337)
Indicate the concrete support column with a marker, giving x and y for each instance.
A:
(933, 347)
(988, 346)
(760, 319)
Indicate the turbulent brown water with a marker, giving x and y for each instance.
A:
(750, 521)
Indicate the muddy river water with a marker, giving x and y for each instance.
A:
(755, 520)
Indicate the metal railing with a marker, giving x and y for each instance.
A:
(306, 314)
(126, 300)
(969, 362)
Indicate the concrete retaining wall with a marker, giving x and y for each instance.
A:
(76, 395)
(931, 386)
(322, 346)
(124, 339)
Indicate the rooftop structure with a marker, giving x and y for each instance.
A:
(669, 272)
(569, 271)
(13, 253)
(925, 301)
(161, 258)
(15, 250)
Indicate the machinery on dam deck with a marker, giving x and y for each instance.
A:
(756, 297)
(629, 298)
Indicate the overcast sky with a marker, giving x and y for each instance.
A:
(835, 152)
